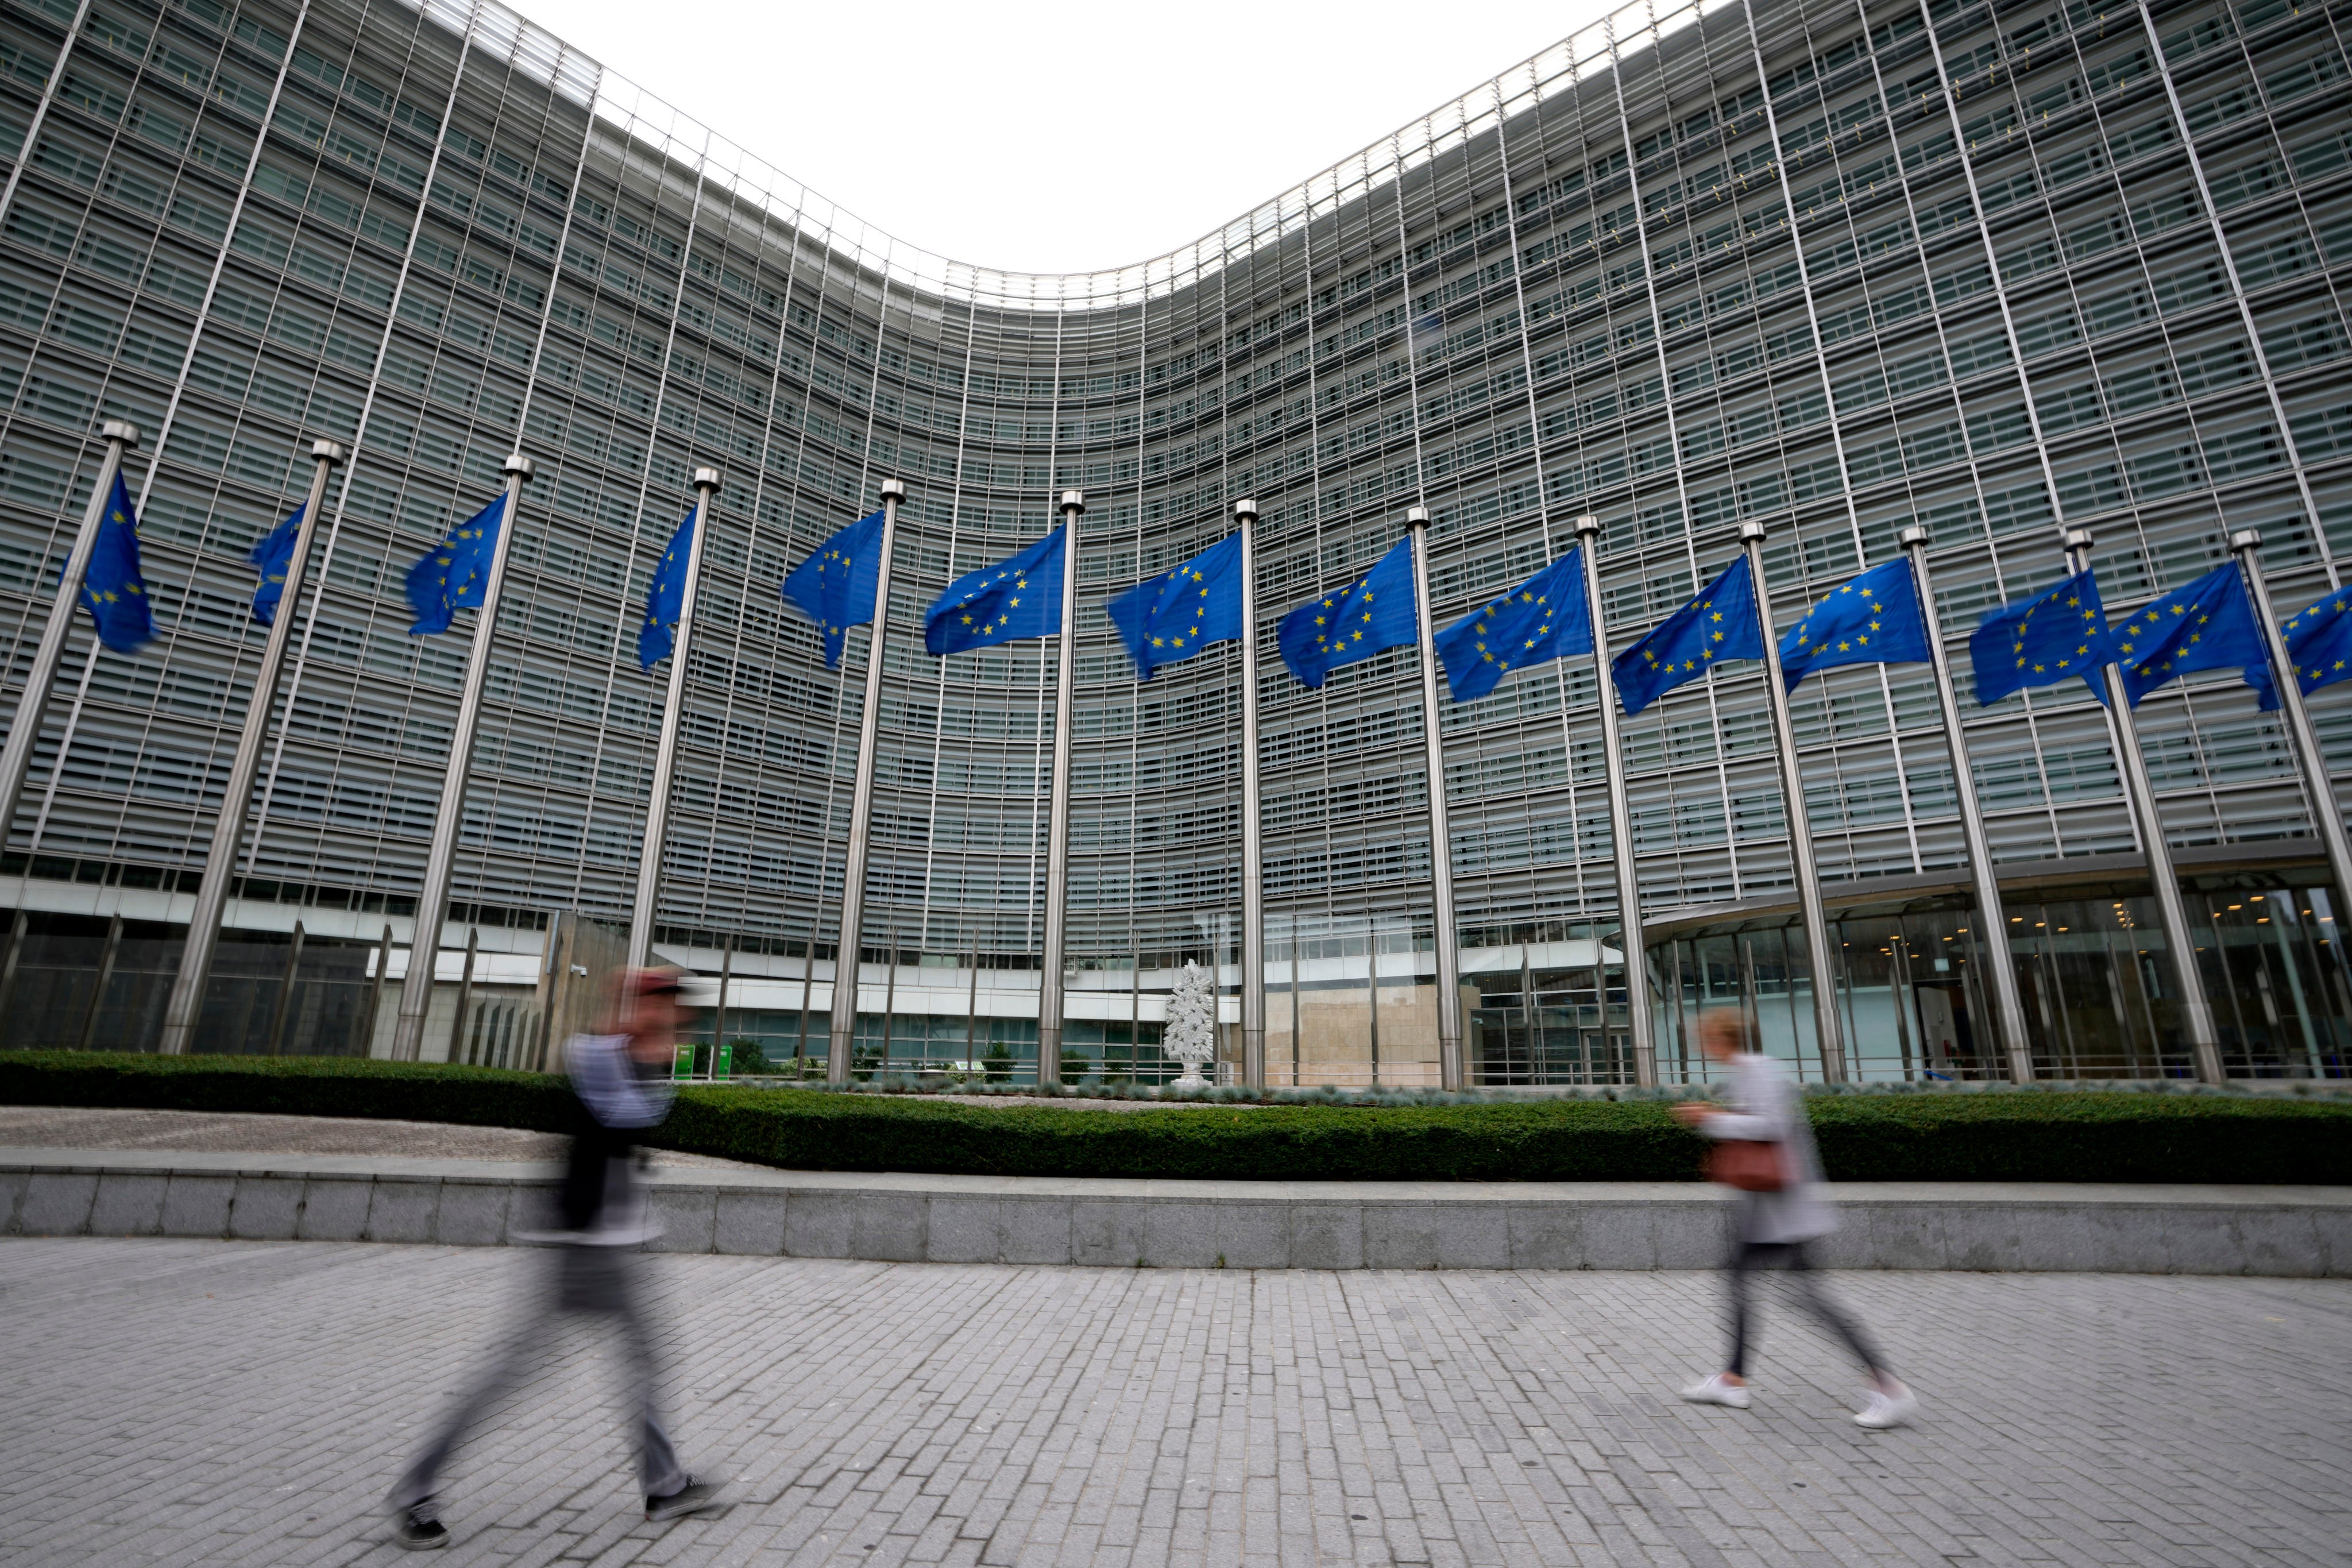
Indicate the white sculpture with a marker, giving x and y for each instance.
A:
(1191, 1033)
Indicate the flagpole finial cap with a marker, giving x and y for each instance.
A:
(894, 489)
(518, 466)
(1073, 501)
(1752, 530)
(1587, 527)
(1247, 509)
(2075, 539)
(2246, 539)
(1416, 517)
(329, 452)
(121, 430)
(1915, 534)
(706, 478)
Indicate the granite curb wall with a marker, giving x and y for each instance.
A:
(2278, 1231)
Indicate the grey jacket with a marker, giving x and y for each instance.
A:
(1765, 1104)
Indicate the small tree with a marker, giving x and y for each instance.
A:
(1191, 1033)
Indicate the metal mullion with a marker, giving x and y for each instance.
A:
(1436, 783)
(1482, 814)
(614, 660)
(1543, 523)
(1068, 652)
(847, 951)
(1321, 697)
(89, 664)
(939, 680)
(1135, 738)
(1314, 530)
(1225, 496)
(2024, 383)
(530, 381)
(2237, 286)
(923, 909)
(1943, 343)
(318, 600)
(1837, 748)
(586, 793)
(792, 490)
(41, 110)
(933, 684)
(220, 262)
(1543, 488)
(1673, 434)
(751, 512)
(333, 532)
(876, 649)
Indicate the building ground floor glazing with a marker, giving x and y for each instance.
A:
(1349, 1003)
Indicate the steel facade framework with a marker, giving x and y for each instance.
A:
(1835, 269)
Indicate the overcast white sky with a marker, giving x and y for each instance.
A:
(1055, 136)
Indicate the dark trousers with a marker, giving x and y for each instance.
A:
(1746, 1257)
(597, 1281)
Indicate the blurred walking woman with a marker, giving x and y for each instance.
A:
(1764, 1147)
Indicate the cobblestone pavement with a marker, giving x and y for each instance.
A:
(248, 1402)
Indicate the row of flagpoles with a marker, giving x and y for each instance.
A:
(1884, 616)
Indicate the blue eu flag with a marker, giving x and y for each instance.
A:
(2205, 625)
(1873, 619)
(455, 574)
(2041, 641)
(666, 599)
(1018, 597)
(835, 586)
(1720, 624)
(271, 558)
(111, 587)
(1176, 614)
(1543, 618)
(1373, 613)
(2319, 640)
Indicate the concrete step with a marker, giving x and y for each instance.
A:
(2303, 1232)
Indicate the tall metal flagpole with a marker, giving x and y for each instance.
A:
(187, 1001)
(849, 947)
(17, 755)
(433, 898)
(641, 919)
(1826, 1024)
(1058, 818)
(2007, 1002)
(2327, 815)
(2197, 1013)
(1621, 826)
(1441, 839)
(1253, 835)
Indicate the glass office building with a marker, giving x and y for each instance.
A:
(1836, 266)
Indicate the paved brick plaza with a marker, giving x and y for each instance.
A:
(211, 1402)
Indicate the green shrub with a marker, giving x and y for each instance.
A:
(2043, 1136)
(291, 1086)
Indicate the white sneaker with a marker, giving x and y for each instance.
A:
(1885, 1410)
(1718, 1390)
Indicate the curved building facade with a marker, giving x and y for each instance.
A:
(1836, 267)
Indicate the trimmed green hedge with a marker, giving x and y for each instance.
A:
(2033, 1136)
(290, 1086)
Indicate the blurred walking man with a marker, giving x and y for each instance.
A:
(1770, 1141)
(623, 1080)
